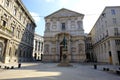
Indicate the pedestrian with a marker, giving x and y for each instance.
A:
(19, 65)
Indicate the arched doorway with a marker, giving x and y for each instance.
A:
(63, 45)
(60, 38)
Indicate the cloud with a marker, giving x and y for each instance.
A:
(35, 16)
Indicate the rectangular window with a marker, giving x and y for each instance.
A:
(12, 29)
(63, 26)
(113, 12)
(117, 42)
(18, 34)
(116, 31)
(7, 3)
(4, 23)
(15, 11)
(20, 16)
(106, 32)
(114, 21)
(24, 20)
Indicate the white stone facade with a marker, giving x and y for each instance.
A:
(38, 47)
(16, 32)
(106, 36)
(68, 24)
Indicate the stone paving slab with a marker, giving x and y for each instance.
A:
(50, 71)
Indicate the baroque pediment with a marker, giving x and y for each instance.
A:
(64, 13)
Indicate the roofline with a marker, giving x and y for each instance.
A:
(26, 11)
(101, 14)
(62, 9)
(112, 6)
(38, 35)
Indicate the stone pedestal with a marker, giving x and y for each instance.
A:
(65, 60)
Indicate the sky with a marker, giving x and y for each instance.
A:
(90, 8)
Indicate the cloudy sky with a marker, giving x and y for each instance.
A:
(90, 8)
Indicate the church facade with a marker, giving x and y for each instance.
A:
(60, 25)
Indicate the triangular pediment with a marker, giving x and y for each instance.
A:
(64, 13)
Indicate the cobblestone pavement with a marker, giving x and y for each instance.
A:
(50, 71)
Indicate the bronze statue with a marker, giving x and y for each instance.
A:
(64, 42)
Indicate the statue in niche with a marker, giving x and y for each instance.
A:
(46, 48)
(47, 26)
(80, 48)
(54, 25)
(72, 24)
(79, 23)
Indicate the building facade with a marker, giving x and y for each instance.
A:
(106, 36)
(62, 24)
(38, 47)
(16, 32)
(90, 57)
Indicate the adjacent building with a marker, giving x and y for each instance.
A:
(60, 25)
(90, 57)
(16, 32)
(106, 36)
(38, 47)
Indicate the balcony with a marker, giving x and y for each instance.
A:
(5, 30)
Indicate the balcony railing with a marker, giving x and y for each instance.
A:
(5, 30)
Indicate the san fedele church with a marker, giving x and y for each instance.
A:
(60, 25)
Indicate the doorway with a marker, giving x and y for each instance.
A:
(110, 57)
(1, 51)
(118, 52)
(61, 52)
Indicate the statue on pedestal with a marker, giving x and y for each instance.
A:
(65, 58)
(64, 42)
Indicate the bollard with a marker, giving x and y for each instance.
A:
(19, 65)
(12, 67)
(95, 66)
(104, 69)
(5, 67)
(107, 69)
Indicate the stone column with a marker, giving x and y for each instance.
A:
(6, 51)
(113, 52)
(40, 47)
(69, 49)
(57, 48)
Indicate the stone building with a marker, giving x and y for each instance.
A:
(62, 24)
(38, 47)
(106, 36)
(16, 32)
(90, 57)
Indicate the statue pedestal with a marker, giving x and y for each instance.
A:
(65, 61)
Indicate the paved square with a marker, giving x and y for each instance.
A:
(50, 71)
